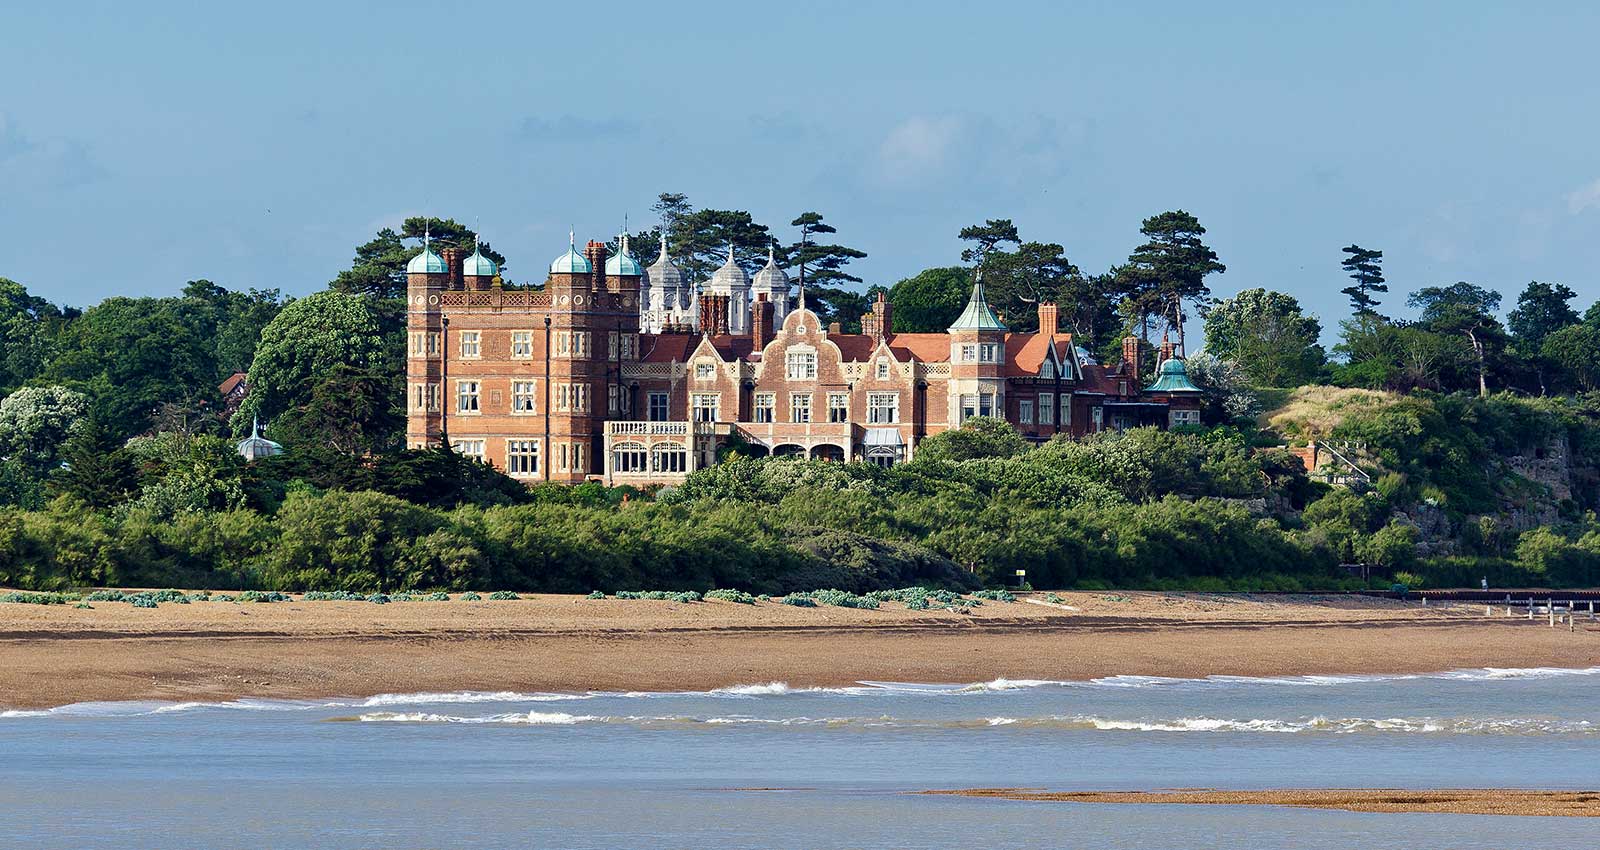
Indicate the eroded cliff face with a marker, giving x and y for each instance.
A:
(1549, 465)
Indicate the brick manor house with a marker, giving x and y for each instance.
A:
(628, 374)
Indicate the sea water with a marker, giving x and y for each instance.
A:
(766, 765)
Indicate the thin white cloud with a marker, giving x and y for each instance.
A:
(917, 147)
(1585, 198)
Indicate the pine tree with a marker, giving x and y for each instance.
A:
(1366, 268)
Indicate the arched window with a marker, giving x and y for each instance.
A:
(669, 458)
(628, 458)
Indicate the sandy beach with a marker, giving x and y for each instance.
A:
(1473, 801)
(52, 655)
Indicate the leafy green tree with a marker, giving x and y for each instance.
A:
(327, 336)
(36, 421)
(97, 469)
(1266, 333)
(1466, 309)
(1542, 309)
(131, 355)
(1365, 267)
(236, 320)
(929, 301)
(1175, 259)
(979, 437)
(1088, 309)
(28, 327)
(1574, 351)
(1016, 281)
(1228, 396)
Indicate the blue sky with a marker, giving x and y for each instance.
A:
(146, 144)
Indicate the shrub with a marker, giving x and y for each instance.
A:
(39, 598)
(999, 595)
(503, 594)
(437, 596)
(107, 596)
(738, 596)
(596, 594)
(143, 602)
(798, 601)
(378, 599)
(83, 605)
(470, 596)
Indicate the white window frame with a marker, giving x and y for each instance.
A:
(524, 397)
(765, 407)
(1047, 408)
(669, 458)
(469, 397)
(522, 458)
(800, 408)
(705, 371)
(989, 352)
(1025, 411)
(706, 407)
(630, 458)
(659, 406)
(800, 365)
(969, 352)
(883, 408)
(522, 345)
(471, 345)
(883, 369)
(1065, 418)
(1182, 417)
(838, 407)
(469, 447)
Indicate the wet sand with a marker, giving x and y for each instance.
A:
(1475, 801)
(52, 655)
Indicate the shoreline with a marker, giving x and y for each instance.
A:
(1457, 801)
(57, 655)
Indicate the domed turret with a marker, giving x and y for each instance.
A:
(256, 446)
(771, 281)
(729, 280)
(427, 262)
(1172, 377)
(478, 265)
(622, 262)
(571, 262)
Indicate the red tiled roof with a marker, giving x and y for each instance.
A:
(929, 348)
(667, 348)
(1025, 352)
(232, 383)
(854, 347)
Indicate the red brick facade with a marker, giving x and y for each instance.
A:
(558, 384)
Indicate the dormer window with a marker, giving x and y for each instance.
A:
(704, 371)
(1047, 370)
(883, 370)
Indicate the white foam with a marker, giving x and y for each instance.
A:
(769, 689)
(466, 697)
(533, 718)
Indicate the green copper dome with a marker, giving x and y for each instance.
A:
(426, 262)
(478, 265)
(571, 262)
(1172, 377)
(622, 262)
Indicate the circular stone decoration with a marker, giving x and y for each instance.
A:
(565, 299)
(432, 299)
(576, 299)
(626, 301)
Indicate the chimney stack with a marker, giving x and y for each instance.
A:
(761, 322)
(452, 261)
(878, 322)
(714, 314)
(595, 253)
(1049, 324)
(1167, 350)
(835, 329)
(1130, 357)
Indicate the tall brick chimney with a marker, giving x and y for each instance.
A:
(595, 253)
(452, 261)
(761, 322)
(1166, 351)
(879, 321)
(714, 314)
(1048, 319)
(1130, 357)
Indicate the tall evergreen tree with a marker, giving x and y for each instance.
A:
(817, 264)
(1366, 268)
(1176, 262)
(96, 468)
